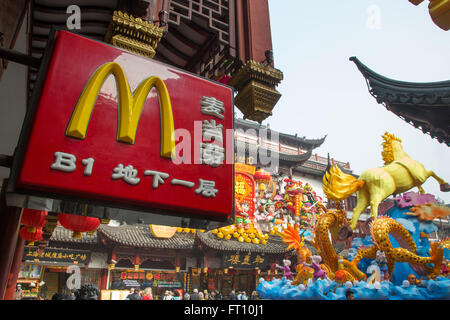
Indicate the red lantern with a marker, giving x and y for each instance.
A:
(31, 236)
(78, 224)
(34, 219)
(262, 177)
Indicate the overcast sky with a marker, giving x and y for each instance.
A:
(324, 93)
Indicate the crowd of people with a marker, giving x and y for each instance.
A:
(195, 294)
(91, 292)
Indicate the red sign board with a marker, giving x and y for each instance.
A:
(120, 129)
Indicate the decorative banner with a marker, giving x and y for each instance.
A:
(56, 255)
(244, 168)
(125, 131)
(244, 188)
(240, 260)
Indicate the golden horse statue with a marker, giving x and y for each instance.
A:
(400, 174)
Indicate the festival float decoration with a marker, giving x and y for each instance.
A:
(293, 196)
(397, 261)
(400, 174)
(78, 224)
(263, 178)
(263, 207)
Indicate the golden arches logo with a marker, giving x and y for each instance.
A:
(130, 106)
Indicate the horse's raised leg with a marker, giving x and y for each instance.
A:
(421, 190)
(362, 203)
(445, 187)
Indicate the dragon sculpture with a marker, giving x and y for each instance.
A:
(380, 231)
(400, 174)
(330, 220)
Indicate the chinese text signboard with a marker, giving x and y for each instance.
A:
(242, 260)
(56, 255)
(128, 131)
(156, 280)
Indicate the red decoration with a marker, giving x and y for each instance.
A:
(262, 176)
(31, 236)
(225, 79)
(34, 219)
(78, 224)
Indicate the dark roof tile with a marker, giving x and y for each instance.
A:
(141, 236)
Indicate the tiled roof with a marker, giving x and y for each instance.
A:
(141, 236)
(61, 234)
(425, 105)
(294, 139)
(274, 245)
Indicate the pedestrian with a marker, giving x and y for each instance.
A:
(129, 294)
(194, 295)
(349, 295)
(239, 296)
(71, 295)
(18, 294)
(43, 290)
(254, 296)
(176, 295)
(233, 295)
(134, 295)
(168, 295)
(219, 296)
(59, 296)
(87, 292)
(186, 296)
(213, 295)
(244, 296)
(201, 296)
(147, 294)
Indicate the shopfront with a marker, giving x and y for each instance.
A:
(48, 271)
(158, 281)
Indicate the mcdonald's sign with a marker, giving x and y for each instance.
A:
(125, 131)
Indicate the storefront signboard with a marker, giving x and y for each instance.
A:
(124, 131)
(55, 255)
(245, 260)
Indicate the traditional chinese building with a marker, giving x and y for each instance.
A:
(426, 106)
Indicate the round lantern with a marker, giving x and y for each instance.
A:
(31, 236)
(262, 177)
(78, 224)
(33, 219)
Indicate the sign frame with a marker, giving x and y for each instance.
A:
(21, 196)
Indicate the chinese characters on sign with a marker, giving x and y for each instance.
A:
(56, 255)
(66, 162)
(241, 260)
(212, 154)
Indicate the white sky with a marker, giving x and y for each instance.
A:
(324, 93)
